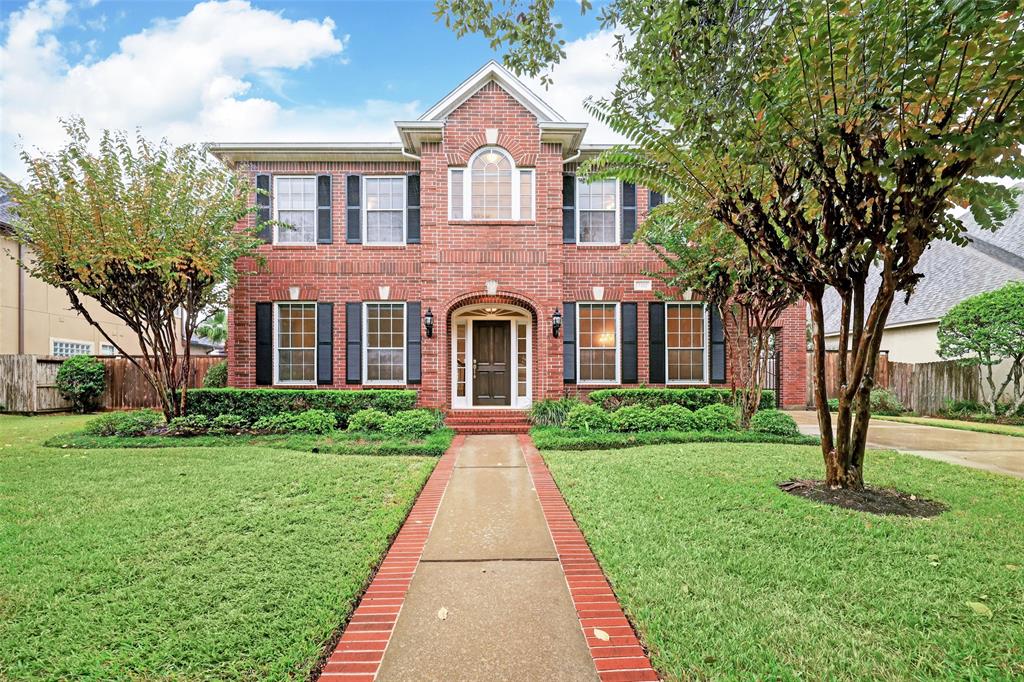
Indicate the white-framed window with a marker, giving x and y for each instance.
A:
(64, 348)
(597, 212)
(490, 187)
(384, 209)
(384, 343)
(597, 343)
(686, 343)
(295, 205)
(295, 343)
(107, 349)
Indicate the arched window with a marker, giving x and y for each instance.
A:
(491, 188)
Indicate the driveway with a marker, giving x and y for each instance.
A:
(991, 452)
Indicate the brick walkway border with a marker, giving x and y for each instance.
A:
(361, 648)
(620, 658)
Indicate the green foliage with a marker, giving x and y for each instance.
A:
(307, 421)
(585, 417)
(555, 438)
(635, 418)
(774, 421)
(215, 327)
(253, 403)
(216, 376)
(188, 425)
(368, 420)
(692, 398)
(885, 402)
(226, 423)
(81, 379)
(411, 423)
(716, 417)
(551, 411)
(833, 404)
(124, 424)
(675, 418)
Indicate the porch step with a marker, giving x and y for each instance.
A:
(488, 421)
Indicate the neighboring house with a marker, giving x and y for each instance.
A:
(951, 274)
(37, 319)
(446, 262)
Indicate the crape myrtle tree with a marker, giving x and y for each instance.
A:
(147, 230)
(710, 260)
(831, 137)
(987, 330)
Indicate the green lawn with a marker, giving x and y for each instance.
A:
(227, 563)
(729, 578)
(980, 427)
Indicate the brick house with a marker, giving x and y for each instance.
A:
(469, 262)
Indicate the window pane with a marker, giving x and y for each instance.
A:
(521, 360)
(686, 365)
(598, 342)
(597, 226)
(385, 210)
(491, 183)
(684, 337)
(296, 206)
(385, 342)
(526, 195)
(296, 342)
(457, 197)
(460, 359)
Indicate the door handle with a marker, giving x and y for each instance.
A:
(474, 368)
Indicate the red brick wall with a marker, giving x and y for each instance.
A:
(449, 268)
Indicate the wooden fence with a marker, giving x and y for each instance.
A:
(922, 387)
(27, 383)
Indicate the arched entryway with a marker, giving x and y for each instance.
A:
(491, 345)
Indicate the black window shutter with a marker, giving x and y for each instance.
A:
(353, 234)
(628, 212)
(656, 199)
(629, 359)
(412, 209)
(324, 234)
(568, 209)
(413, 344)
(263, 207)
(325, 343)
(264, 344)
(656, 334)
(569, 342)
(353, 343)
(717, 337)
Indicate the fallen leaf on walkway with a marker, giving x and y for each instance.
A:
(442, 613)
(980, 609)
(601, 635)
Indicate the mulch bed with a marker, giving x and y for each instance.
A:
(887, 501)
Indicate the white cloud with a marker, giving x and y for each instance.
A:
(189, 79)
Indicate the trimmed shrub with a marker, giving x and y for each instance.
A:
(584, 417)
(715, 418)
(833, 404)
(612, 399)
(367, 420)
(634, 418)
(885, 402)
(308, 421)
(217, 375)
(124, 424)
(774, 421)
(674, 418)
(253, 403)
(189, 425)
(226, 423)
(551, 411)
(81, 379)
(411, 423)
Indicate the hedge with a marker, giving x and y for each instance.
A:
(693, 398)
(555, 438)
(253, 403)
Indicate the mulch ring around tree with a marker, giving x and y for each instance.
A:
(887, 501)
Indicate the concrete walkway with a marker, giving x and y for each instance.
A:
(987, 451)
(489, 599)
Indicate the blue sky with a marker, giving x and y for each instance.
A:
(251, 69)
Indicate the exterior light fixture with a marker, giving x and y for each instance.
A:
(428, 323)
(556, 323)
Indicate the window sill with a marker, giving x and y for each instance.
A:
(596, 246)
(286, 247)
(489, 223)
(384, 246)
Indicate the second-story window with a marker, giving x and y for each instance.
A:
(295, 201)
(491, 188)
(598, 208)
(385, 210)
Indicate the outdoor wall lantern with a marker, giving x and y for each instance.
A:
(556, 323)
(428, 323)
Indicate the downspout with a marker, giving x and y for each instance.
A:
(21, 299)
(573, 157)
(410, 155)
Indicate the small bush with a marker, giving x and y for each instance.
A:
(635, 418)
(367, 420)
(411, 423)
(715, 418)
(584, 417)
(612, 399)
(885, 402)
(674, 418)
(189, 425)
(81, 380)
(774, 421)
(833, 404)
(309, 421)
(253, 403)
(961, 408)
(551, 411)
(217, 375)
(124, 424)
(226, 423)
